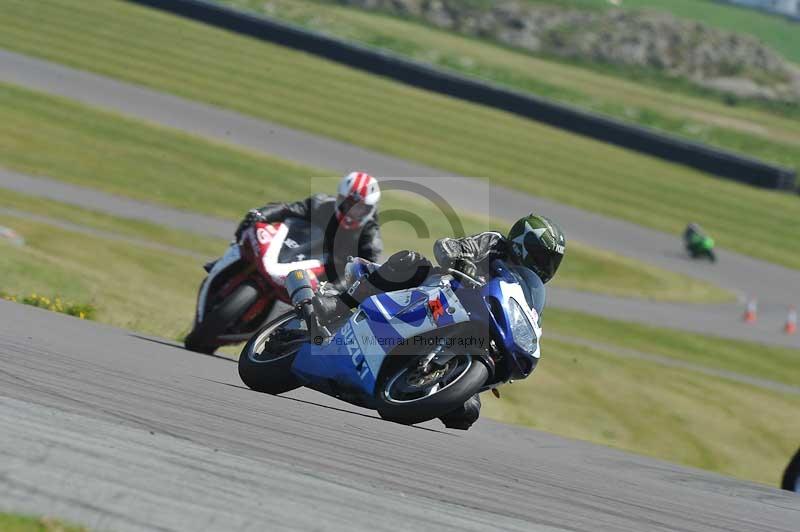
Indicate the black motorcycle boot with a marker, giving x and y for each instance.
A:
(464, 416)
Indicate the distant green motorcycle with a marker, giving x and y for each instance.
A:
(698, 244)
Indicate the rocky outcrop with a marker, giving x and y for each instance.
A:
(725, 61)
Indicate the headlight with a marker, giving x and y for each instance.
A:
(521, 328)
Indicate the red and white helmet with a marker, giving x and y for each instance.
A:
(356, 199)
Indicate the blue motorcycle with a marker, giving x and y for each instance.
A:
(412, 355)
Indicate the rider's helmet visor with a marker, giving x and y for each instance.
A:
(353, 207)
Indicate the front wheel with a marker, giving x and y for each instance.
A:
(265, 364)
(203, 338)
(413, 394)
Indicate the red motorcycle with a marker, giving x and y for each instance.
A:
(241, 288)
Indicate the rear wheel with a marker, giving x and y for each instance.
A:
(265, 364)
(413, 393)
(220, 318)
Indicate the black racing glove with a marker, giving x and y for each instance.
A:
(465, 266)
(252, 216)
(404, 269)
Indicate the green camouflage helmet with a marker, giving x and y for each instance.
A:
(537, 243)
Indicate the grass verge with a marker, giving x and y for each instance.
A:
(82, 311)
(24, 523)
(641, 96)
(217, 179)
(667, 413)
(105, 223)
(773, 363)
(199, 62)
(129, 286)
(594, 270)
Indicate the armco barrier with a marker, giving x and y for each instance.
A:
(674, 149)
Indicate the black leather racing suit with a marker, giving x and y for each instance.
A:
(406, 269)
(339, 243)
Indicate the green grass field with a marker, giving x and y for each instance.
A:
(125, 227)
(639, 96)
(667, 413)
(43, 135)
(22, 523)
(198, 62)
(776, 364)
(130, 286)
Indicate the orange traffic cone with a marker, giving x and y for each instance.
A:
(791, 321)
(751, 311)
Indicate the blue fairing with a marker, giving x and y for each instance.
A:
(340, 360)
(524, 287)
(354, 356)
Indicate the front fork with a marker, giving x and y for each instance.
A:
(301, 292)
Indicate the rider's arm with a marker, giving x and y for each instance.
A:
(478, 249)
(277, 212)
(274, 212)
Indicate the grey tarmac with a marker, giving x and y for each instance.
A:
(123, 432)
(97, 200)
(722, 320)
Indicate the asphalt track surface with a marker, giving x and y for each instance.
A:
(121, 432)
(774, 286)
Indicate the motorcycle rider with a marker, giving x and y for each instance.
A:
(349, 220)
(697, 241)
(534, 242)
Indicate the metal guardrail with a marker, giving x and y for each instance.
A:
(674, 149)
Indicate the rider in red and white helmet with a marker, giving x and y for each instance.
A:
(349, 220)
(357, 200)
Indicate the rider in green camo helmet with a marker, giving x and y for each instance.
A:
(537, 243)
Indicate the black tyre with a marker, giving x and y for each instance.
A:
(266, 360)
(203, 338)
(791, 477)
(410, 394)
